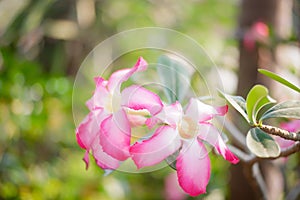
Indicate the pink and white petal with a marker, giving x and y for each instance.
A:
(100, 99)
(138, 98)
(222, 110)
(88, 131)
(202, 112)
(115, 133)
(100, 85)
(171, 114)
(136, 120)
(90, 104)
(89, 128)
(118, 77)
(164, 142)
(99, 81)
(151, 122)
(193, 168)
(83, 131)
(103, 160)
(210, 134)
(80, 143)
(141, 64)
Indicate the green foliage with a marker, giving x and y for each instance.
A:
(257, 98)
(174, 77)
(262, 144)
(238, 103)
(279, 79)
(288, 109)
(258, 141)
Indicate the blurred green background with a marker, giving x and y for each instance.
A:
(42, 44)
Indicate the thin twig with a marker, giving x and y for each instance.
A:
(290, 150)
(259, 182)
(283, 153)
(251, 159)
(294, 193)
(238, 137)
(244, 157)
(253, 175)
(280, 132)
(252, 170)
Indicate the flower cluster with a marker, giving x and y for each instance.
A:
(106, 131)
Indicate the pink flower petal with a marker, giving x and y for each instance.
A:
(193, 168)
(80, 143)
(118, 77)
(89, 128)
(99, 81)
(88, 131)
(209, 133)
(137, 98)
(115, 135)
(163, 143)
(101, 96)
(141, 64)
(136, 120)
(203, 112)
(171, 114)
(222, 110)
(103, 160)
(151, 122)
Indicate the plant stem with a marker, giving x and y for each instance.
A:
(280, 132)
(251, 159)
(238, 137)
(259, 182)
(252, 171)
(289, 150)
(244, 157)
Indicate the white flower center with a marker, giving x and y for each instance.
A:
(113, 103)
(142, 112)
(187, 128)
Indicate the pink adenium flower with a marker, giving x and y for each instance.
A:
(184, 132)
(107, 128)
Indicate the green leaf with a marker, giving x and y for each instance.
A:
(288, 109)
(238, 103)
(279, 79)
(257, 98)
(262, 144)
(175, 78)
